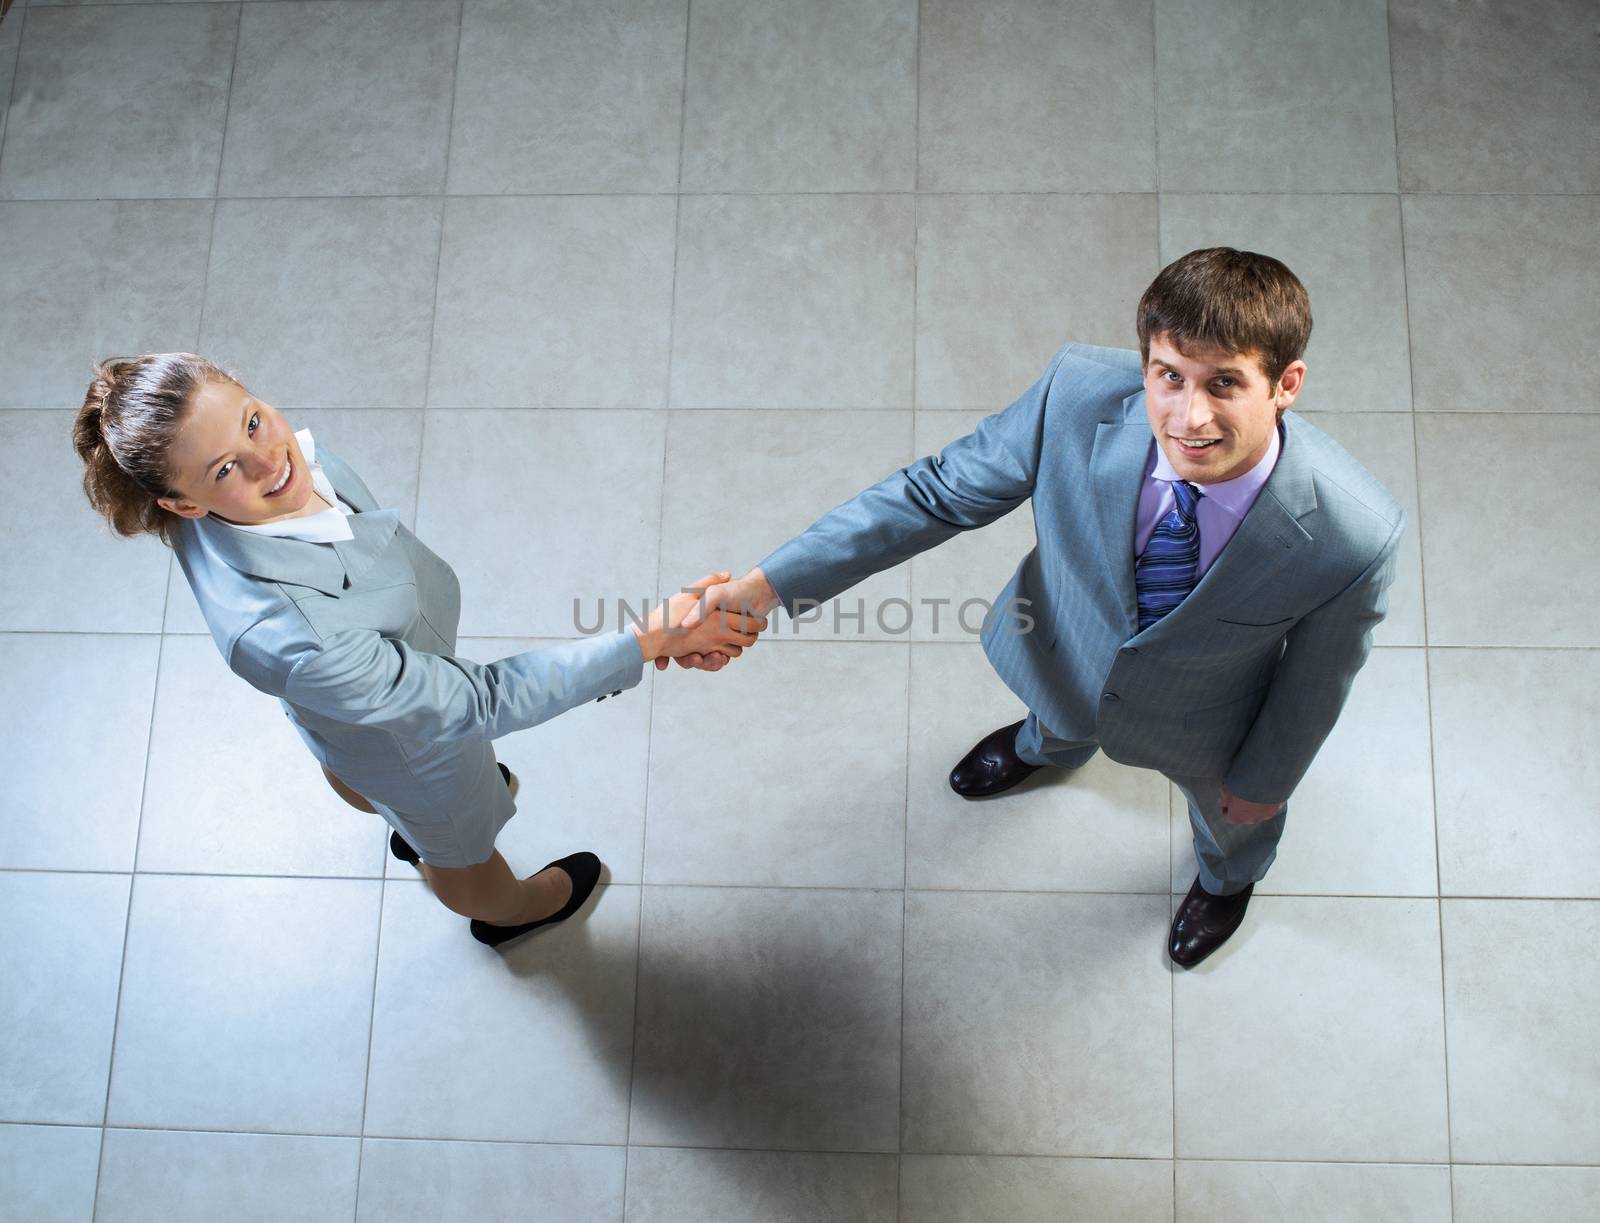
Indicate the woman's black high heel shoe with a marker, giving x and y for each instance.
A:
(401, 849)
(584, 871)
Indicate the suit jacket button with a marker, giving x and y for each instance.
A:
(1128, 650)
(1111, 696)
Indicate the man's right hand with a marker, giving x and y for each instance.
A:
(705, 643)
(751, 596)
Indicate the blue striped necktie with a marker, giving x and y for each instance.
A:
(1170, 562)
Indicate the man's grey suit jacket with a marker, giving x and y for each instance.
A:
(1242, 682)
(357, 639)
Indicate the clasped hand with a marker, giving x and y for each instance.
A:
(701, 628)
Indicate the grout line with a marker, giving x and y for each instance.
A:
(1422, 594)
(416, 509)
(793, 639)
(521, 195)
(1172, 793)
(160, 649)
(127, 917)
(826, 887)
(829, 1151)
(905, 819)
(216, 194)
(661, 517)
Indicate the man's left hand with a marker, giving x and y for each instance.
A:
(1242, 811)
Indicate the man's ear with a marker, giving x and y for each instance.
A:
(181, 507)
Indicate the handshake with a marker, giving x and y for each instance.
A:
(709, 623)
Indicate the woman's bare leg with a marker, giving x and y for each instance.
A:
(349, 795)
(487, 891)
(491, 893)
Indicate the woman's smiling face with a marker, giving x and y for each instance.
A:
(237, 458)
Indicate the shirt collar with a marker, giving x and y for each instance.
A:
(1234, 496)
(324, 527)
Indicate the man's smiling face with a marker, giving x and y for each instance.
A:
(1213, 412)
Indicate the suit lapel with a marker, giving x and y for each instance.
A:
(1116, 470)
(299, 562)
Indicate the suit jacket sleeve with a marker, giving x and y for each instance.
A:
(365, 679)
(1324, 651)
(977, 479)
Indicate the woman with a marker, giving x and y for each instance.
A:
(317, 596)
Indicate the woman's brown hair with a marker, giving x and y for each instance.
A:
(123, 433)
(1238, 301)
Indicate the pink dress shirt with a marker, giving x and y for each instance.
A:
(1221, 508)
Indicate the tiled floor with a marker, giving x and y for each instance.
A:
(603, 294)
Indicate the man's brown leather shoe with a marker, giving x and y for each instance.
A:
(1204, 922)
(991, 766)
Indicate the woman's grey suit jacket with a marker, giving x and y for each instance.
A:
(357, 638)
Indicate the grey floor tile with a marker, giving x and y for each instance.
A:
(808, 793)
(72, 792)
(1003, 281)
(562, 96)
(1101, 828)
(1030, 95)
(174, 1176)
(735, 492)
(1289, 112)
(791, 98)
(1383, 443)
(1520, 994)
(794, 301)
(1489, 98)
(41, 593)
(383, 447)
(101, 278)
(541, 306)
(1322, 1017)
(1515, 732)
(246, 1004)
(1345, 249)
(678, 1186)
(96, 82)
(1329, 1193)
(415, 1181)
(544, 516)
(1034, 1189)
(1498, 569)
(233, 789)
(954, 585)
(60, 960)
(1037, 1025)
(768, 1019)
(1361, 822)
(341, 98)
(529, 1043)
(1529, 1195)
(324, 303)
(581, 776)
(1501, 293)
(47, 1172)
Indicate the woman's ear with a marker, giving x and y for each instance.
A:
(181, 507)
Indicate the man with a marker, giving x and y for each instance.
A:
(1199, 600)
